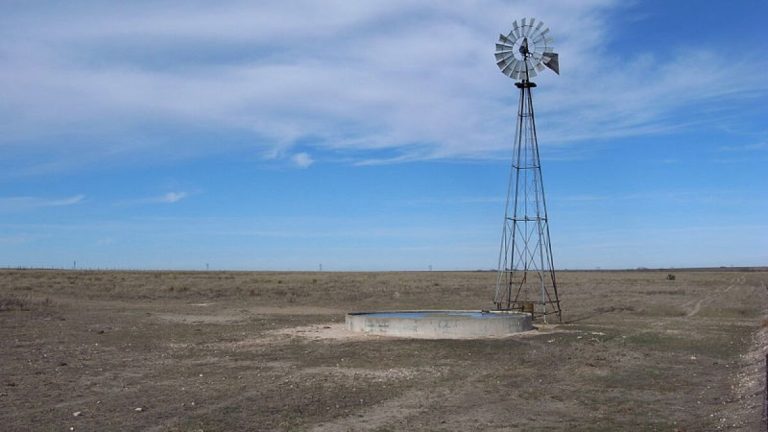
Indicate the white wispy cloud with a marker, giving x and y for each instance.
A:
(761, 146)
(166, 198)
(414, 79)
(30, 202)
(172, 197)
(16, 239)
(302, 160)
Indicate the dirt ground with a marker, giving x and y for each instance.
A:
(232, 351)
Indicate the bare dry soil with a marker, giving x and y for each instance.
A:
(216, 351)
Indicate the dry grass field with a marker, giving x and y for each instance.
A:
(231, 351)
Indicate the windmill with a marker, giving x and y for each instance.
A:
(526, 278)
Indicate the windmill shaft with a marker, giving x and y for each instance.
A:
(526, 278)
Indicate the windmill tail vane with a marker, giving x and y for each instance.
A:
(553, 62)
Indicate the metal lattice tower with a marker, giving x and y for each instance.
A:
(526, 278)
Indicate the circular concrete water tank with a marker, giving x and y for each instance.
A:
(440, 324)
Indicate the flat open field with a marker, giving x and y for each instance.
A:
(213, 351)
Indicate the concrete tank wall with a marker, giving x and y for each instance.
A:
(454, 324)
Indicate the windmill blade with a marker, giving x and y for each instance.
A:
(553, 62)
(502, 64)
(531, 21)
(539, 26)
(503, 56)
(513, 69)
(539, 67)
(515, 29)
(545, 41)
(505, 39)
(528, 65)
(533, 36)
(544, 32)
(521, 74)
(543, 36)
(513, 64)
(504, 48)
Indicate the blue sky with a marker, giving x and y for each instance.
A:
(376, 135)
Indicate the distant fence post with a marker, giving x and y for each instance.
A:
(765, 399)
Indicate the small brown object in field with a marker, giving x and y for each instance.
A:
(670, 276)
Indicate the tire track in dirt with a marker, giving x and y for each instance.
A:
(409, 404)
(352, 422)
(378, 416)
(696, 308)
(707, 299)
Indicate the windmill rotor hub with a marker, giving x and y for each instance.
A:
(524, 48)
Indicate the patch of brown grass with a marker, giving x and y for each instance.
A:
(11, 303)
